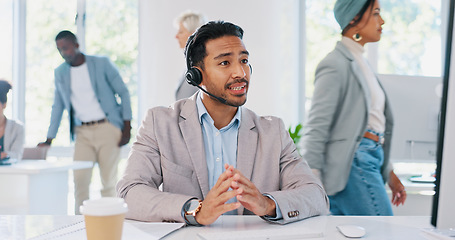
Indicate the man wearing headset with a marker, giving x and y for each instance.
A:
(213, 156)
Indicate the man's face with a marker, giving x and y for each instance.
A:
(226, 71)
(67, 49)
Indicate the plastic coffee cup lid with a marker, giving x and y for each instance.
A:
(106, 206)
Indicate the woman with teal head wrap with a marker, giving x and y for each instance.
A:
(349, 128)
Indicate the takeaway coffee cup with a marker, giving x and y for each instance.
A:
(104, 218)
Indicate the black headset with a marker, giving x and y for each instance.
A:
(193, 75)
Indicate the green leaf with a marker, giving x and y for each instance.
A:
(295, 134)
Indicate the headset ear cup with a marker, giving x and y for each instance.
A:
(193, 76)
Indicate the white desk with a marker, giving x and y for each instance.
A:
(36, 186)
(400, 228)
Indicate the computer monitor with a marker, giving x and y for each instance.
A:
(443, 212)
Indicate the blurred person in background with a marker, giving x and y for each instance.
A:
(12, 134)
(186, 23)
(346, 139)
(87, 87)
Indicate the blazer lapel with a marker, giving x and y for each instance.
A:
(357, 72)
(192, 134)
(246, 147)
(66, 85)
(91, 71)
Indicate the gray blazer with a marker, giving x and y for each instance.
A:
(338, 119)
(106, 82)
(169, 150)
(14, 138)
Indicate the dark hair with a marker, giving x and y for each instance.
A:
(195, 50)
(65, 34)
(5, 86)
(359, 15)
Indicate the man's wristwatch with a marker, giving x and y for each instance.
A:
(191, 208)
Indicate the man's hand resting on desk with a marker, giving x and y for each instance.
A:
(47, 143)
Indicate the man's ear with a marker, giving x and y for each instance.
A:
(199, 68)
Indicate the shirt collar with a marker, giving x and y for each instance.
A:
(202, 111)
(354, 47)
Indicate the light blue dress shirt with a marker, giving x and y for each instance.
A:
(221, 147)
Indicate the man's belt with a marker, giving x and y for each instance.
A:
(94, 122)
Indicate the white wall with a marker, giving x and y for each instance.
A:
(271, 36)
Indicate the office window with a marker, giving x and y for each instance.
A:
(408, 56)
(45, 18)
(322, 33)
(6, 45)
(411, 41)
(119, 43)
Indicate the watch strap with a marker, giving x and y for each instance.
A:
(190, 218)
(184, 208)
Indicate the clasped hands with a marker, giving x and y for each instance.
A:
(232, 183)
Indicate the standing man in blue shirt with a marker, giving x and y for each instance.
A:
(86, 87)
(211, 155)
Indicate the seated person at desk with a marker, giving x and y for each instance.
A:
(11, 132)
(213, 156)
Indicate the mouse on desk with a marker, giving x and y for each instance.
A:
(351, 231)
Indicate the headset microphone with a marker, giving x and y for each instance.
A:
(194, 77)
(221, 100)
